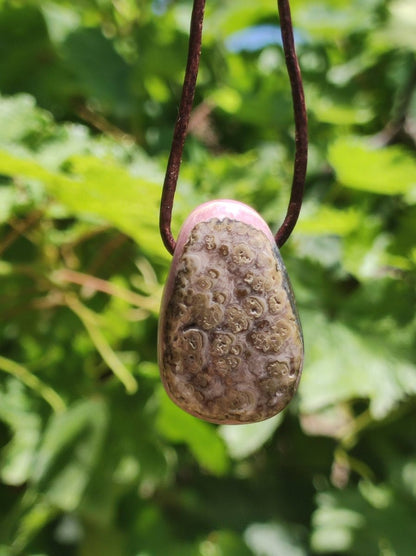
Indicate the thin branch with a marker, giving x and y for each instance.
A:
(106, 252)
(399, 128)
(88, 319)
(97, 284)
(32, 381)
(19, 228)
(98, 121)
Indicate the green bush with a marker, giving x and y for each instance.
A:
(94, 457)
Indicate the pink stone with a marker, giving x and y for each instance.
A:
(230, 344)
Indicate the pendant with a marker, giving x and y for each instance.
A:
(230, 343)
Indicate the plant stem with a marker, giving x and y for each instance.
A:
(33, 382)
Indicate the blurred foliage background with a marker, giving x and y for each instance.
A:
(95, 460)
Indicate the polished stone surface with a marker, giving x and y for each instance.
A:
(230, 340)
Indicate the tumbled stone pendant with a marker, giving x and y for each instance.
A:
(230, 341)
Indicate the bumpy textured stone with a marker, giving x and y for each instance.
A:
(230, 341)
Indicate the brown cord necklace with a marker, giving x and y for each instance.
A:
(230, 343)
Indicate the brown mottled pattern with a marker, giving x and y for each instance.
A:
(232, 347)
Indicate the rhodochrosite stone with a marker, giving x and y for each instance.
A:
(230, 341)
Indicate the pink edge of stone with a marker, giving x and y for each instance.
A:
(220, 209)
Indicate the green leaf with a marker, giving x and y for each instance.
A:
(99, 188)
(343, 364)
(60, 20)
(333, 111)
(387, 171)
(153, 533)
(228, 17)
(329, 20)
(7, 203)
(90, 96)
(325, 219)
(20, 121)
(101, 72)
(17, 456)
(334, 525)
(270, 539)
(244, 440)
(68, 453)
(399, 31)
(223, 543)
(36, 518)
(32, 381)
(201, 438)
(360, 521)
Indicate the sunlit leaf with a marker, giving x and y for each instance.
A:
(100, 189)
(387, 171)
(399, 30)
(332, 19)
(228, 17)
(269, 539)
(244, 440)
(329, 220)
(342, 364)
